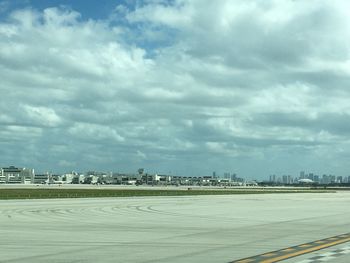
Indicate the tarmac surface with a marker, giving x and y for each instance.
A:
(172, 229)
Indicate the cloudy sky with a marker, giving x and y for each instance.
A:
(182, 86)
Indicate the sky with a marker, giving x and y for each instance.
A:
(178, 87)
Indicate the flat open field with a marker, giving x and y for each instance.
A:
(215, 228)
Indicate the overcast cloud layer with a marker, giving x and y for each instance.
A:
(187, 87)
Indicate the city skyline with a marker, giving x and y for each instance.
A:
(187, 87)
(24, 175)
(283, 178)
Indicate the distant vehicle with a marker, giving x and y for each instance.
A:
(251, 183)
(306, 181)
(53, 182)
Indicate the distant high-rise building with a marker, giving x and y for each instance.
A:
(339, 179)
(233, 177)
(310, 176)
(285, 179)
(333, 179)
(273, 178)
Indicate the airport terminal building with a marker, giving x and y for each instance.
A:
(15, 175)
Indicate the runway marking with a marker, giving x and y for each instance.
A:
(320, 242)
(306, 245)
(269, 255)
(246, 260)
(327, 256)
(290, 252)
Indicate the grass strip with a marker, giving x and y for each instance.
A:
(89, 193)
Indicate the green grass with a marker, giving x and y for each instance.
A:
(85, 193)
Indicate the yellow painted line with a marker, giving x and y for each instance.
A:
(305, 245)
(305, 251)
(269, 255)
(320, 242)
(287, 249)
(245, 260)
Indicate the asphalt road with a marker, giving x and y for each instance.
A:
(169, 229)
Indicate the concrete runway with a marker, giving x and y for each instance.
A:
(169, 229)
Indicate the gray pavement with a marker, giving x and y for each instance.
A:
(168, 229)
